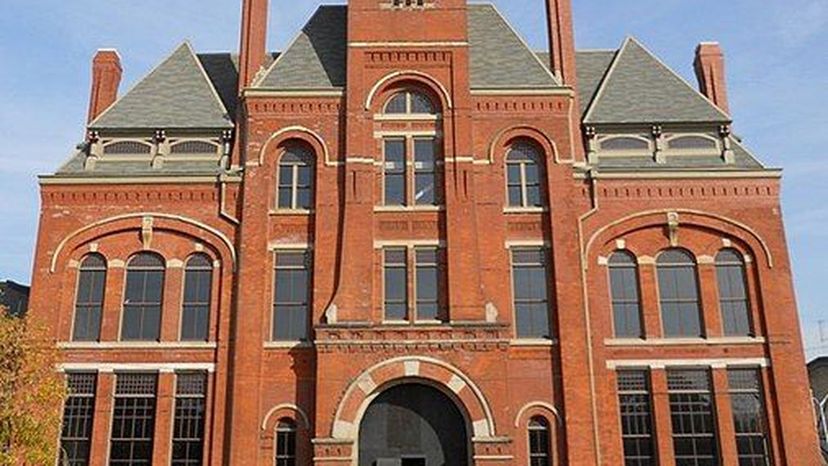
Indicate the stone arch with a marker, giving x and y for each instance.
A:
(658, 218)
(272, 417)
(144, 222)
(438, 373)
(504, 138)
(435, 86)
(301, 133)
(537, 407)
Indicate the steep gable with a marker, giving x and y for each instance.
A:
(641, 89)
(175, 95)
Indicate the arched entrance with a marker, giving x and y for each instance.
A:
(413, 424)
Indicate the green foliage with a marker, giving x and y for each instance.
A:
(31, 393)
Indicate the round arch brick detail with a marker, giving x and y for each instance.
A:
(439, 373)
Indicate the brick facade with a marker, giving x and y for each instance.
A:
(498, 380)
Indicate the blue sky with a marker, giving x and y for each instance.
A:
(775, 51)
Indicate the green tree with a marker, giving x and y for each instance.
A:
(31, 393)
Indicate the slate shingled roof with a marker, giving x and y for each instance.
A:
(639, 88)
(175, 95)
(316, 58)
(498, 56)
(592, 67)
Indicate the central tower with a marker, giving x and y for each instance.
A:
(407, 20)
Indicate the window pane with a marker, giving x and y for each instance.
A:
(397, 104)
(133, 419)
(396, 284)
(188, 424)
(291, 296)
(427, 284)
(198, 278)
(78, 416)
(679, 294)
(636, 417)
(395, 172)
(693, 417)
(421, 104)
(733, 298)
(747, 399)
(529, 277)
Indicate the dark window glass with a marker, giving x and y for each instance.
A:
(626, 304)
(427, 281)
(286, 443)
(531, 300)
(188, 427)
(425, 175)
(748, 403)
(733, 297)
(78, 414)
(395, 270)
(692, 142)
(410, 102)
(523, 176)
(89, 299)
(195, 315)
(296, 178)
(133, 419)
(539, 442)
(625, 144)
(636, 418)
(394, 172)
(693, 418)
(291, 301)
(679, 292)
(143, 300)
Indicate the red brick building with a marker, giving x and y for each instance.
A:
(408, 239)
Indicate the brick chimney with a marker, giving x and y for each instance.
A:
(561, 40)
(710, 71)
(253, 49)
(106, 77)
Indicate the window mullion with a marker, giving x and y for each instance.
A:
(524, 191)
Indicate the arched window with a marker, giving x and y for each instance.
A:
(678, 286)
(523, 175)
(195, 310)
(693, 143)
(143, 298)
(540, 440)
(410, 102)
(626, 303)
(286, 443)
(625, 144)
(733, 297)
(89, 298)
(295, 190)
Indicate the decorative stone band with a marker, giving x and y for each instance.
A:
(144, 367)
(665, 363)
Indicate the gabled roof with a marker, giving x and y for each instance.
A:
(639, 88)
(499, 58)
(316, 58)
(177, 94)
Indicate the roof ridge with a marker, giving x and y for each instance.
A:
(601, 87)
(206, 77)
(137, 83)
(680, 77)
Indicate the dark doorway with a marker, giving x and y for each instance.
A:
(413, 425)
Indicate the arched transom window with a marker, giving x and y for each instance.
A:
(410, 102)
(295, 190)
(524, 175)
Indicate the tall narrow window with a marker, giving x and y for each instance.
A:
(78, 414)
(296, 178)
(195, 312)
(425, 175)
(427, 283)
(540, 440)
(89, 299)
(395, 271)
(531, 300)
(636, 418)
(679, 292)
(523, 176)
(394, 176)
(291, 299)
(733, 297)
(142, 304)
(626, 304)
(133, 419)
(188, 427)
(694, 422)
(286, 443)
(749, 416)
